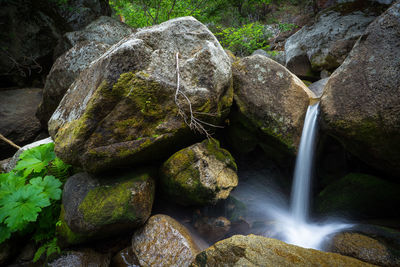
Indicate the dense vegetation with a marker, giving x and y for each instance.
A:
(239, 25)
(30, 197)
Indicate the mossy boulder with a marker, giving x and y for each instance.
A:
(122, 110)
(272, 103)
(361, 104)
(163, 241)
(360, 195)
(94, 208)
(255, 250)
(325, 44)
(200, 174)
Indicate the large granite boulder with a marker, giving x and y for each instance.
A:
(361, 103)
(326, 43)
(123, 109)
(93, 208)
(85, 46)
(163, 241)
(17, 118)
(64, 72)
(199, 175)
(255, 250)
(272, 103)
(360, 196)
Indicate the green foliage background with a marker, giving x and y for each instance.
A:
(237, 24)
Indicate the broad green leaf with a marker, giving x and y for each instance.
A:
(51, 186)
(35, 159)
(10, 182)
(22, 206)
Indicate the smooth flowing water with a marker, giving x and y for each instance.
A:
(300, 198)
(295, 225)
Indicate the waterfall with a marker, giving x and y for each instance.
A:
(300, 198)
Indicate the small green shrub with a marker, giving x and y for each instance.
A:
(30, 195)
(244, 40)
(285, 27)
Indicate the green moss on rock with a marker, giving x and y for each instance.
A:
(360, 195)
(199, 175)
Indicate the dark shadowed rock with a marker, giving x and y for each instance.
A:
(199, 175)
(361, 103)
(360, 196)
(255, 250)
(125, 258)
(272, 103)
(79, 13)
(93, 208)
(162, 241)
(121, 110)
(17, 118)
(32, 29)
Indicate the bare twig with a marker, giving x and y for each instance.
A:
(172, 8)
(2, 137)
(193, 122)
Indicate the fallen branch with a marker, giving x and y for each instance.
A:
(2, 137)
(190, 120)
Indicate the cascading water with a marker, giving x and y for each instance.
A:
(295, 227)
(289, 223)
(304, 165)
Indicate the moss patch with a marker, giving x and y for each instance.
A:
(360, 195)
(109, 204)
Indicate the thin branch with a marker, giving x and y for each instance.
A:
(196, 7)
(172, 8)
(190, 120)
(2, 137)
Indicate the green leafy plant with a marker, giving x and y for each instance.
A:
(285, 27)
(30, 196)
(243, 40)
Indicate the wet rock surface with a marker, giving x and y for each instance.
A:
(163, 242)
(199, 175)
(84, 258)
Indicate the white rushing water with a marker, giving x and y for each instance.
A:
(290, 222)
(304, 166)
(294, 225)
